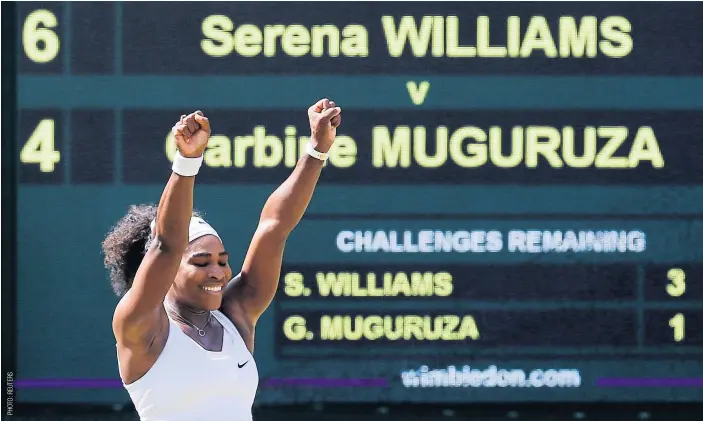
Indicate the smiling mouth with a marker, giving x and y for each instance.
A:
(213, 289)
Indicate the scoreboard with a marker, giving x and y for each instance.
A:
(512, 210)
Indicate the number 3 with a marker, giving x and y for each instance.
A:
(40, 44)
(678, 282)
(39, 148)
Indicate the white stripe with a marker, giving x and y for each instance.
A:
(198, 228)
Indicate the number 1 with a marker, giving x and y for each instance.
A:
(679, 325)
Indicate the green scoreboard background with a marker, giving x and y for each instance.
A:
(513, 209)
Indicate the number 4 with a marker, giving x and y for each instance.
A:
(39, 148)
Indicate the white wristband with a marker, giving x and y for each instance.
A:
(315, 154)
(186, 167)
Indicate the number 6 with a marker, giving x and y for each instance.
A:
(32, 35)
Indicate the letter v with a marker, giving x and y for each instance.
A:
(418, 94)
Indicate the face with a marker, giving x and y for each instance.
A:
(203, 274)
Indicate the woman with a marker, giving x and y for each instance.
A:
(184, 327)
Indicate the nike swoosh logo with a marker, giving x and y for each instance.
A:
(242, 365)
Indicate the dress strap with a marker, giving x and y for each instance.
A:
(235, 336)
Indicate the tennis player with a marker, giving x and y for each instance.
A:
(184, 326)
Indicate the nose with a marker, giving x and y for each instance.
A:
(218, 275)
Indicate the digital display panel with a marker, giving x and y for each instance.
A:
(511, 211)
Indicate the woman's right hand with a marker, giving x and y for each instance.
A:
(191, 134)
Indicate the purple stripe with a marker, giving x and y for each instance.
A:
(68, 383)
(272, 382)
(324, 382)
(650, 382)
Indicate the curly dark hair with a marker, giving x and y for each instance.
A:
(126, 244)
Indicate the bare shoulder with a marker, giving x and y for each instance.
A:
(138, 331)
(138, 349)
(234, 311)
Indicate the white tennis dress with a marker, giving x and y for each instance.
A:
(189, 383)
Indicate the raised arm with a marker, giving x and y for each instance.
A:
(140, 313)
(251, 292)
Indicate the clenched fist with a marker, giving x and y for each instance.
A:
(191, 134)
(324, 117)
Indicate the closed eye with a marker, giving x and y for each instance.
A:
(198, 259)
